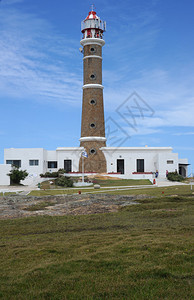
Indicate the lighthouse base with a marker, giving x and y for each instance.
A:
(96, 161)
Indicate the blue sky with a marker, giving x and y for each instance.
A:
(149, 50)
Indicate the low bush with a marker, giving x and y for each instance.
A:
(61, 171)
(174, 176)
(52, 174)
(64, 181)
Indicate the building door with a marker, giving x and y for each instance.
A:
(140, 165)
(120, 166)
(182, 171)
(67, 165)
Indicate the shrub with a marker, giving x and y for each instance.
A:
(49, 174)
(174, 176)
(53, 174)
(64, 181)
(17, 175)
(61, 171)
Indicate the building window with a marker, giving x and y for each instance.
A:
(52, 164)
(170, 162)
(16, 163)
(93, 101)
(140, 165)
(33, 162)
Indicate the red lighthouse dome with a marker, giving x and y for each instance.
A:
(93, 26)
(92, 15)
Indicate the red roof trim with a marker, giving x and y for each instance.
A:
(142, 173)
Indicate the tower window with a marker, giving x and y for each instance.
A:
(92, 50)
(92, 151)
(92, 76)
(93, 102)
(93, 125)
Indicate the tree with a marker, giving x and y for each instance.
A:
(16, 175)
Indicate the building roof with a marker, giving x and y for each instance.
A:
(92, 15)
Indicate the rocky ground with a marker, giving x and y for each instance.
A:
(17, 206)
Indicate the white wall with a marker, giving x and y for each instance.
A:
(73, 153)
(25, 155)
(163, 157)
(155, 158)
(4, 170)
(43, 156)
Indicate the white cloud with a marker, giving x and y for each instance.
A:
(184, 133)
(34, 62)
(171, 97)
(141, 130)
(10, 2)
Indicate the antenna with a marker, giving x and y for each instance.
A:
(93, 6)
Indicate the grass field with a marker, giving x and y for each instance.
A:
(151, 190)
(103, 182)
(141, 252)
(7, 193)
(121, 182)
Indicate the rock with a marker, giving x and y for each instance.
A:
(96, 186)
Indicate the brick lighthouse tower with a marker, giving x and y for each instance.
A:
(92, 127)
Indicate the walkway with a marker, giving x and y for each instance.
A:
(25, 190)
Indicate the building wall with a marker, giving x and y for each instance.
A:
(4, 178)
(73, 154)
(154, 159)
(51, 156)
(43, 156)
(25, 155)
(163, 159)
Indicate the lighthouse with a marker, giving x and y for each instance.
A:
(93, 125)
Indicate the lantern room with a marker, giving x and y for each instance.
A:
(93, 26)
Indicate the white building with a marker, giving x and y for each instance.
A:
(125, 162)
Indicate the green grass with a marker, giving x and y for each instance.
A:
(141, 252)
(122, 182)
(155, 191)
(7, 193)
(40, 206)
(45, 185)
